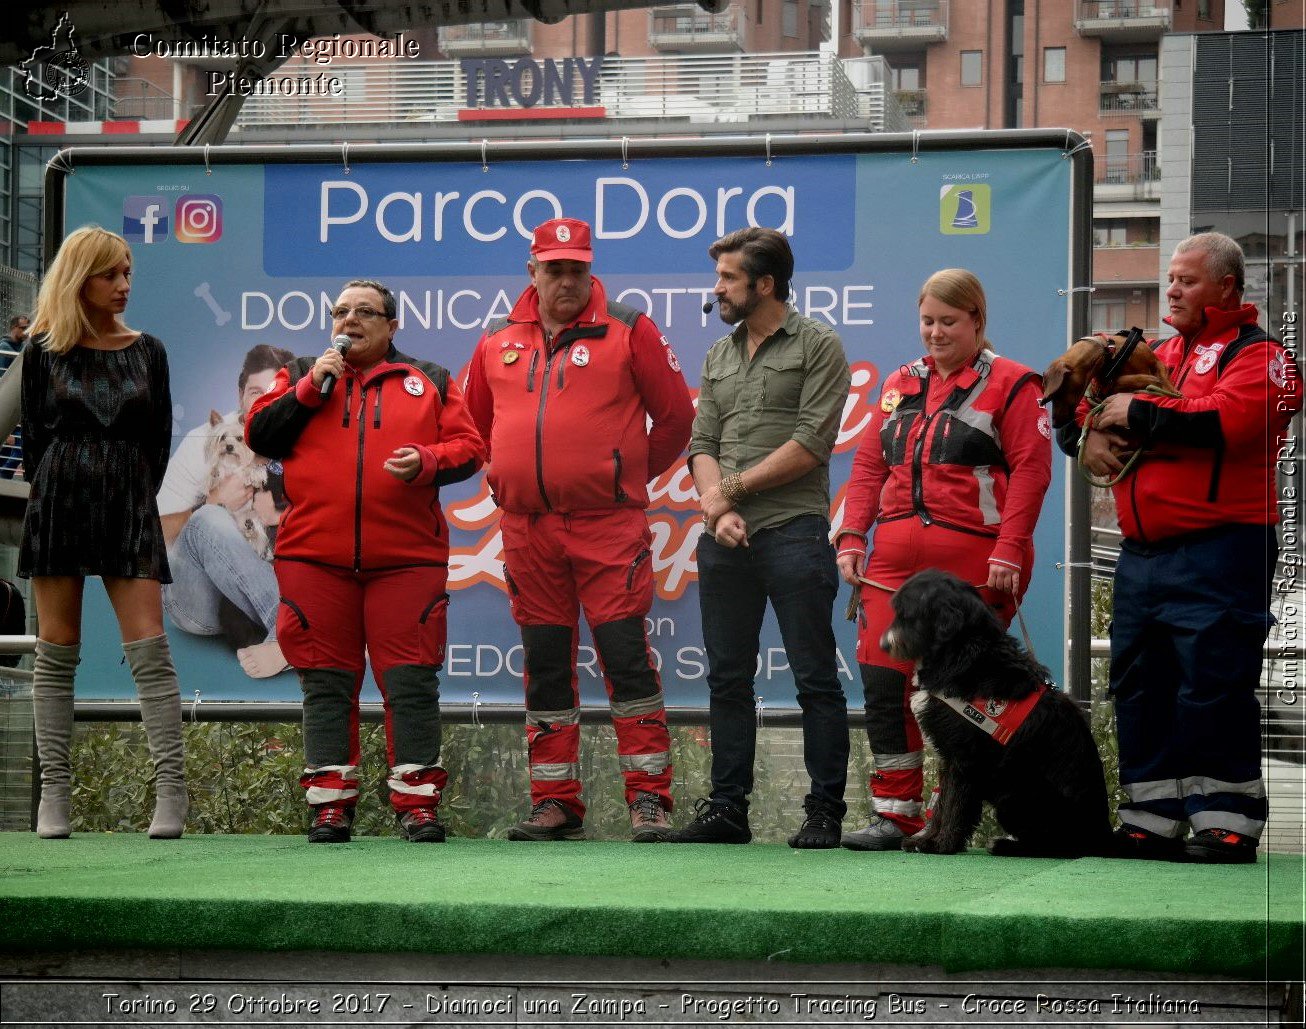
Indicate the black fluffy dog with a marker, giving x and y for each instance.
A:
(1045, 782)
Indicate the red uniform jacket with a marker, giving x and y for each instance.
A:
(971, 452)
(565, 419)
(345, 509)
(1210, 454)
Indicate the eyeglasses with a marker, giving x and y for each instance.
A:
(363, 314)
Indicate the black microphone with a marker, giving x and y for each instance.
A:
(707, 308)
(341, 344)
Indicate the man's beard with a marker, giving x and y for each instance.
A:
(733, 314)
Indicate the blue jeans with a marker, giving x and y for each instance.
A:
(212, 560)
(792, 566)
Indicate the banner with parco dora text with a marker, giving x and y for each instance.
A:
(238, 255)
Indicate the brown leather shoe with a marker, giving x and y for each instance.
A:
(549, 820)
(648, 819)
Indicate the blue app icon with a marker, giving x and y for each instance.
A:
(145, 219)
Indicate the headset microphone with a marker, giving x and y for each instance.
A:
(341, 345)
(707, 308)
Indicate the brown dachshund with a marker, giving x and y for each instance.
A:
(1069, 376)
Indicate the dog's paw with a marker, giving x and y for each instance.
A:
(1008, 846)
(933, 843)
(926, 842)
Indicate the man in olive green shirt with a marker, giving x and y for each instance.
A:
(769, 406)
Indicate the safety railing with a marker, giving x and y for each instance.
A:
(697, 87)
(1117, 10)
(11, 457)
(1131, 168)
(688, 25)
(1128, 97)
(141, 99)
(895, 16)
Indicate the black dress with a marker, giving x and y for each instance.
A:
(97, 429)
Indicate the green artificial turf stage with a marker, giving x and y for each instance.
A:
(967, 912)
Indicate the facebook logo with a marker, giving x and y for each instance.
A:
(144, 219)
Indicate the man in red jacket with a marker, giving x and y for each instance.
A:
(366, 439)
(562, 390)
(1192, 586)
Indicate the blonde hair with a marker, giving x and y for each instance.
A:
(60, 314)
(959, 288)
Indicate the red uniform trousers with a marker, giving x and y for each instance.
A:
(902, 548)
(599, 561)
(329, 618)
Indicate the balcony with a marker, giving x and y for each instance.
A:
(1131, 168)
(488, 39)
(1136, 98)
(1122, 21)
(914, 104)
(688, 29)
(1126, 178)
(886, 26)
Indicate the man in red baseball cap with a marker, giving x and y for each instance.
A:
(563, 391)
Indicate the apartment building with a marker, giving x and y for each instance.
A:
(763, 65)
(1090, 65)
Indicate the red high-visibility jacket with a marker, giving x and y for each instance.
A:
(345, 509)
(970, 453)
(565, 419)
(1210, 454)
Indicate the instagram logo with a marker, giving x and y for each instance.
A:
(199, 219)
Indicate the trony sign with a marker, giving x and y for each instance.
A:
(527, 88)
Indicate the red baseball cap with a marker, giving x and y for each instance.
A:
(562, 239)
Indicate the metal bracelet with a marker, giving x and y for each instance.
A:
(732, 488)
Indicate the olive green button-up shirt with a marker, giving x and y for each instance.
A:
(794, 388)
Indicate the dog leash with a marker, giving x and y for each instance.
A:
(1155, 390)
(853, 612)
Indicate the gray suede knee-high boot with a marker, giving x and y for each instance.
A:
(150, 661)
(52, 717)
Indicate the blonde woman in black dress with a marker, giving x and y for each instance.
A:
(97, 428)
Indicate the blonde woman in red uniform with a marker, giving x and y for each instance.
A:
(951, 473)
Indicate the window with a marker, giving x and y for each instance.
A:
(1126, 232)
(1108, 315)
(911, 12)
(1054, 64)
(972, 67)
(1111, 232)
(789, 15)
(909, 76)
(1129, 68)
(1117, 156)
